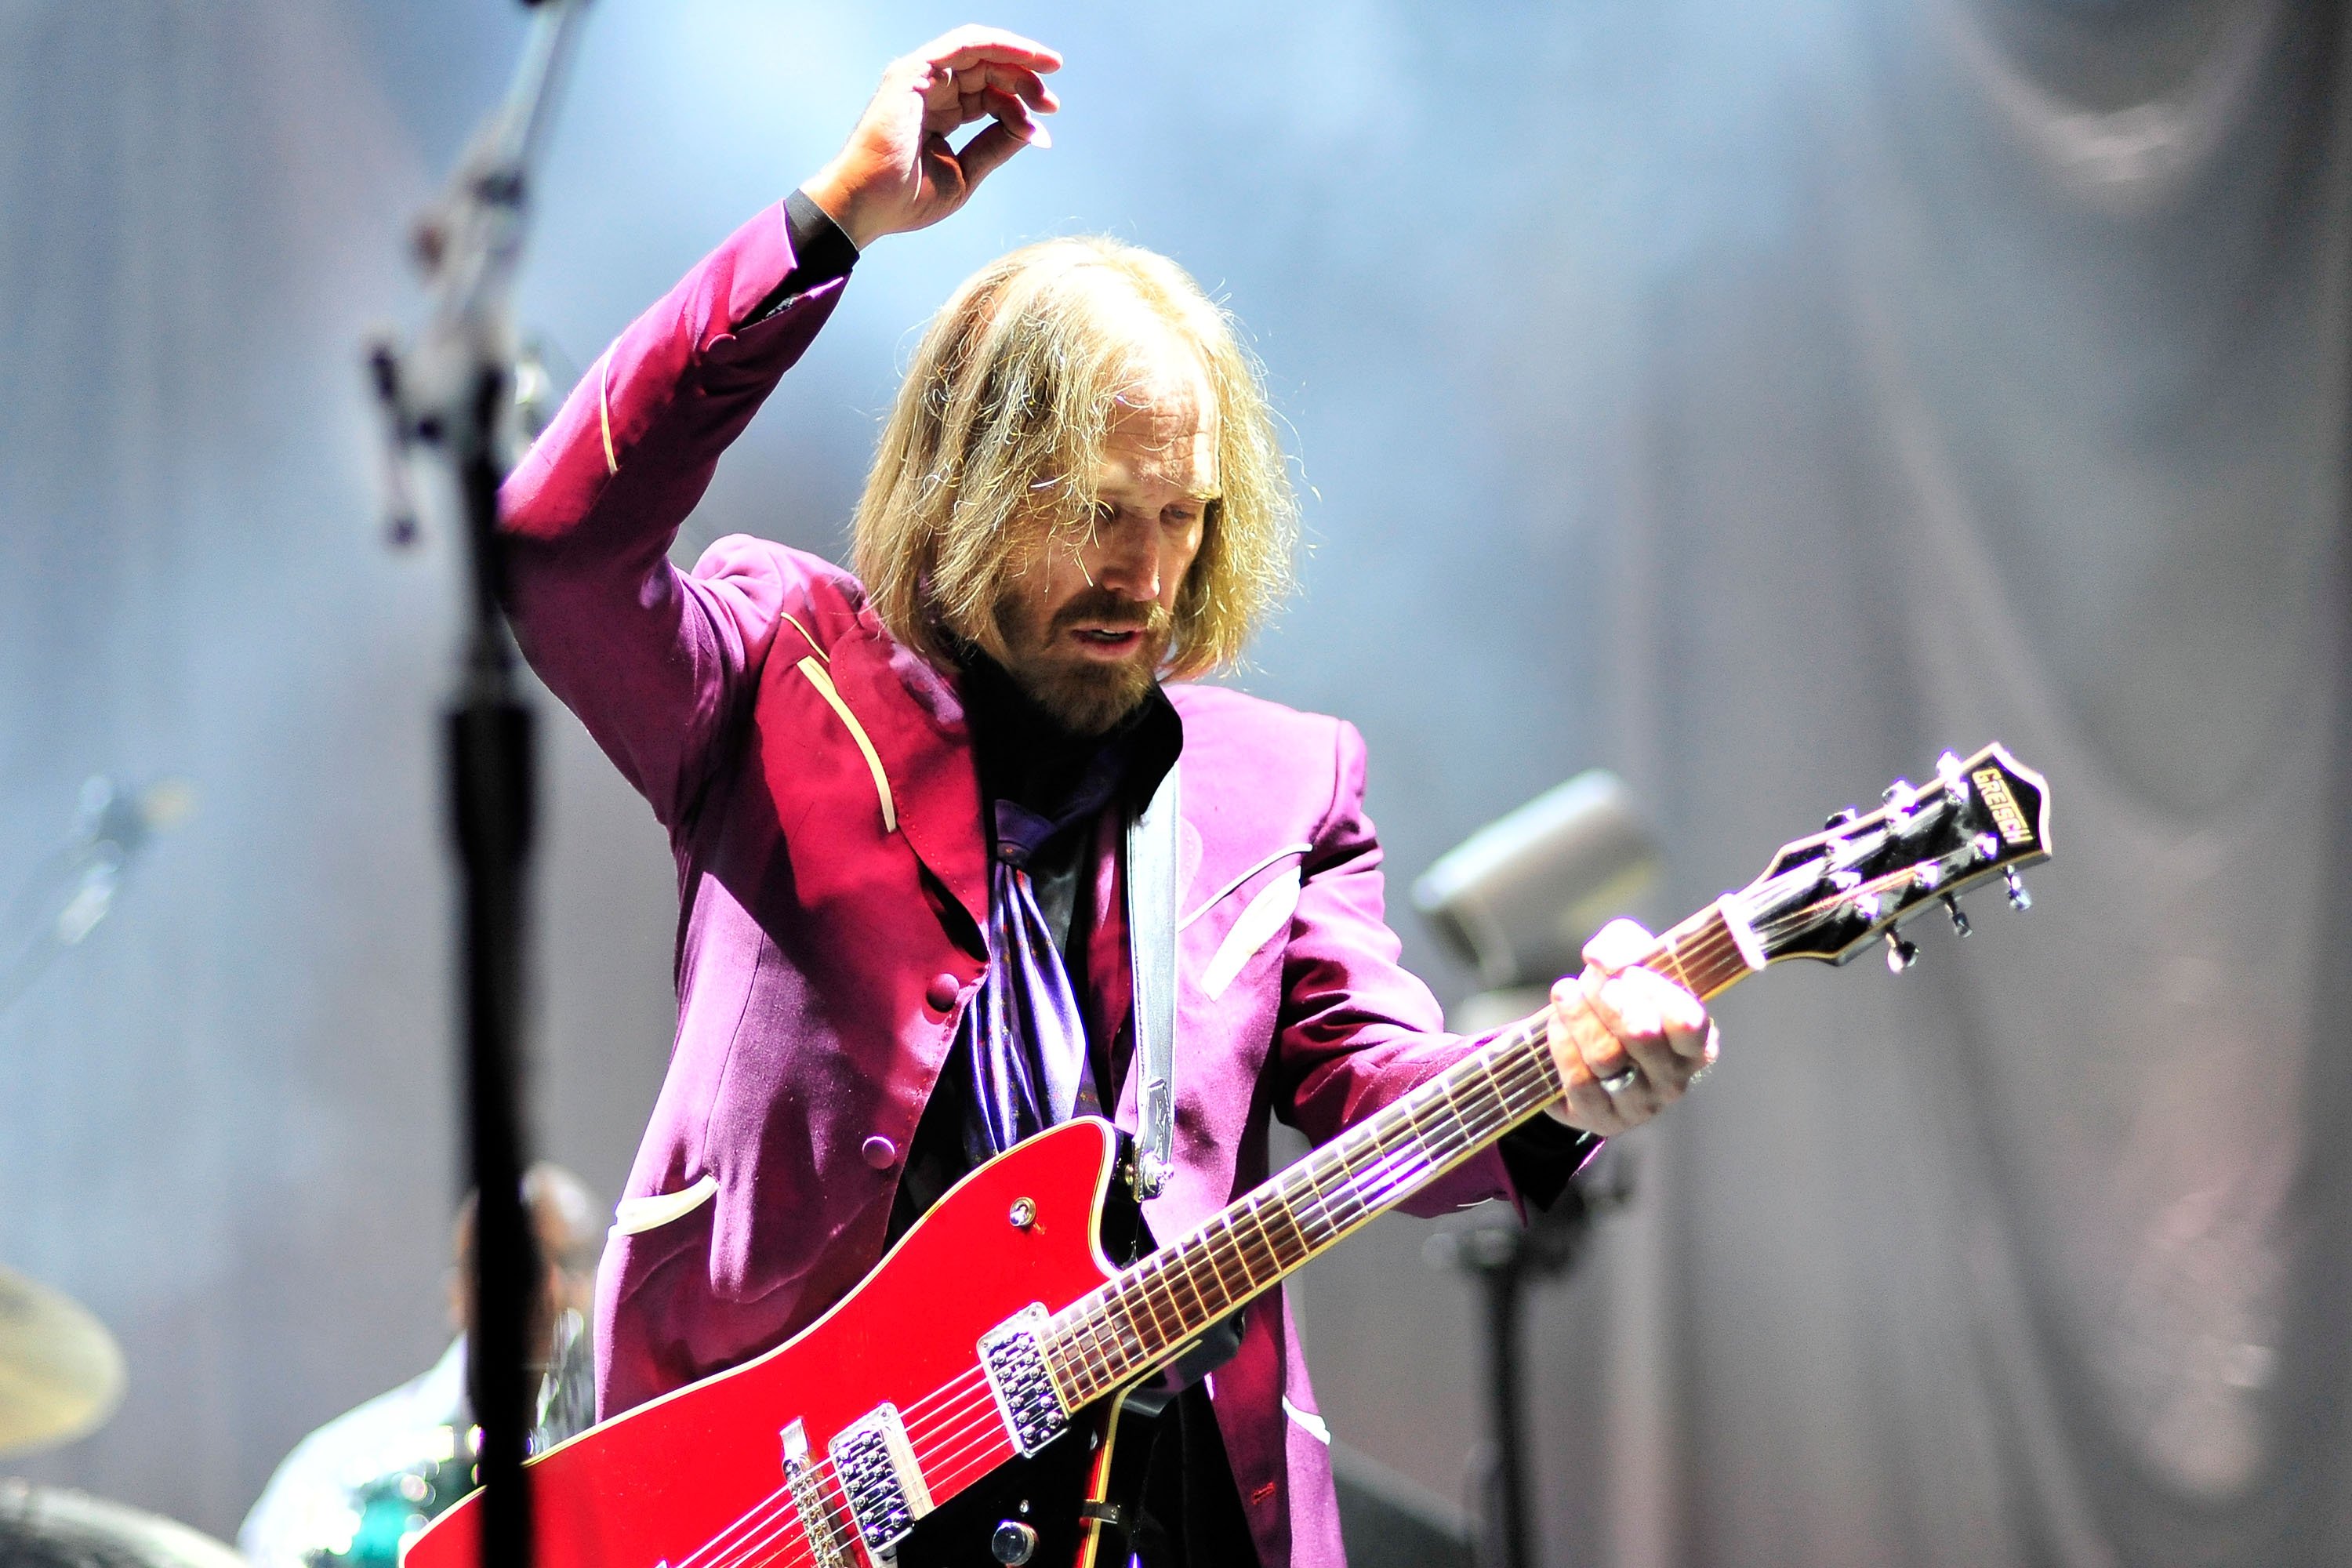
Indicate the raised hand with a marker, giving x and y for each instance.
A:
(898, 171)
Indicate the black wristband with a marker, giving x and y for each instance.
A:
(821, 253)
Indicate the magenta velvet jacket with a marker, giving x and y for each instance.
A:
(817, 783)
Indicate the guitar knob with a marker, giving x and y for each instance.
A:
(2018, 899)
(1900, 955)
(1013, 1543)
(1959, 916)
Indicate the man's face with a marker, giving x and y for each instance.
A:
(1087, 623)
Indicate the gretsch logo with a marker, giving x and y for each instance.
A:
(2014, 828)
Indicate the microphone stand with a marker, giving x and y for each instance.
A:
(451, 393)
(1506, 1260)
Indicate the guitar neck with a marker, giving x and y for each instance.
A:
(1153, 1311)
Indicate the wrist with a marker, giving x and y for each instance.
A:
(835, 195)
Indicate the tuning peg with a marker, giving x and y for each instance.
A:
(1839, 819)
(2018, 899)
(1959, 916)
(1900, 955)
(1948, 766)
(1899, 790)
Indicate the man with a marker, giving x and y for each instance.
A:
(353, 1489)
(899, 806)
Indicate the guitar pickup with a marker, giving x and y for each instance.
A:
(875, 1466)
(1015, 1364)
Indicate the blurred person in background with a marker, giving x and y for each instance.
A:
(353, 1489)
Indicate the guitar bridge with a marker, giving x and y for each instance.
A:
(808, 1499)
(1015, 1364)
(875, 1466)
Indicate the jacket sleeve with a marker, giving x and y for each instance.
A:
(1357, 1031)
(655, 661)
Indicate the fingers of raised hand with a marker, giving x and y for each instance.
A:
(976, 45)
(989, 149)
(965, 91)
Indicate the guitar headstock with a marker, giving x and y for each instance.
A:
(1830, 896)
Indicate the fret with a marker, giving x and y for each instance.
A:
(1670, 953)
(1186, 1257)
(1127, 1334)
(1147, 1289)
(1173, 1289)
(1704, 950)
(1245, 1233)
(1296, 1252)
(1095, 1360)
(1107, 1353)
(1399, 1169)
(1452, 1096)
(1218, 1251)
(1224, 1254)
(1206, 1304)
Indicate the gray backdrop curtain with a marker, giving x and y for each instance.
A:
(1758, 399)
(2026, 424)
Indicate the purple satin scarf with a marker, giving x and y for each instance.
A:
(1023, 1034)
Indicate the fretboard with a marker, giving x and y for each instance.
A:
(1148, 1315)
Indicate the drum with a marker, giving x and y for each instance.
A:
(50, 1527)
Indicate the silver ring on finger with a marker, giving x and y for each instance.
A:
(1617, 1083)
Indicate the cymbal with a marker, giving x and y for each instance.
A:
(60, 1371)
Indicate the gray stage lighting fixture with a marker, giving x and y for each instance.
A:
(1520, 897)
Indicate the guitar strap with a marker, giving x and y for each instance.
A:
(1152, 853)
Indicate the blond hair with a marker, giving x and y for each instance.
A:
(991, 451)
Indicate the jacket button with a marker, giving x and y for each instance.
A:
(880, 1152)
(942, 992)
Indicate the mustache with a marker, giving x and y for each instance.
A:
(1103, 608)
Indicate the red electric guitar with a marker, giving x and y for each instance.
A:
(962, 1405)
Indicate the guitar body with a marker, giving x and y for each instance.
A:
(697, 1479)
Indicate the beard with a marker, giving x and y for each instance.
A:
(1086, 696)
